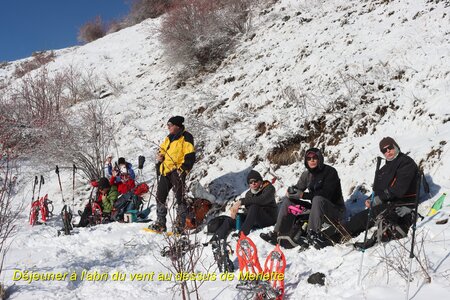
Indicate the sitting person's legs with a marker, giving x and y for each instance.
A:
(257, 216)
(323, 210)
(282, 212)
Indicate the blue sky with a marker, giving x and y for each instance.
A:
(34, 25)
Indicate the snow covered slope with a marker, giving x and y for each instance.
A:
(335, 74)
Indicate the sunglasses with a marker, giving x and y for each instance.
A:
(384, 150)
(252, 181)
(312, 158)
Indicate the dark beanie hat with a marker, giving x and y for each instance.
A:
(254, 175)
(388, 141)
(177, 120)
(103, 183)
(121, 161)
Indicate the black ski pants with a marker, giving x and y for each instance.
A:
(256, 217)
(176, 182)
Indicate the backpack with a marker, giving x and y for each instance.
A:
(291, 229)
(197, 212)
(124, 203)
(390, 226)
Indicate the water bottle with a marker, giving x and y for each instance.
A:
(238, 222)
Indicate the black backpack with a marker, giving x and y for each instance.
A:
(390, 226)
(124, 203)
(291, 229)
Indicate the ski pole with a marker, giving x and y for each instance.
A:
(426, 186)
(34, 188)
(411, 252)
(151, 194)
(41, 182)
(141, 161)
(368, 219)
(60, 186)
(73, 184)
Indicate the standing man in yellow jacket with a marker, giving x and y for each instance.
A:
(175, 159)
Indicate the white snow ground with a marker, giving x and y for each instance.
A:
(393, 54)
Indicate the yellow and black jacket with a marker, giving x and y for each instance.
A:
(178, 151)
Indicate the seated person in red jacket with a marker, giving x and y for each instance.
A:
(123, 180)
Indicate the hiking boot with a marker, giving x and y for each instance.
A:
(303, 243)
(158, 227)
(178, 230)
(298, 237)
(361, 246)
(270, 237)
(319, 241)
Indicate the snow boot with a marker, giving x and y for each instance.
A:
(270, 237)
(361, 246)
(158, 227)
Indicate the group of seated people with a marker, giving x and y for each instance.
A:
(121, 181)
(319, 192)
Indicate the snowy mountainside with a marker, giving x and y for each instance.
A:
(334, 74)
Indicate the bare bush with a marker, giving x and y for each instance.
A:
(8, 213)
(395, 255)
(38, 60)
(144, 9)
(186, 260)
(85, 141)
(34, 117)
(79, 86)
(38, 98)
(202, 31)
(92, 30)
(116, 25)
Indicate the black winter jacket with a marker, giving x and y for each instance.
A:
(396, 180)
(265, 197)
(321, 181)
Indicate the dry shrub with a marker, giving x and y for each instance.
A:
(33, 113)
(38, 98)
(144, 9)
(202, 31)
(9, 211)
(116, 25)
(38, 60)
(85, 141)
(92, 30)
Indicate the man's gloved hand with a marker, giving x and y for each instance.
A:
(402, 211)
